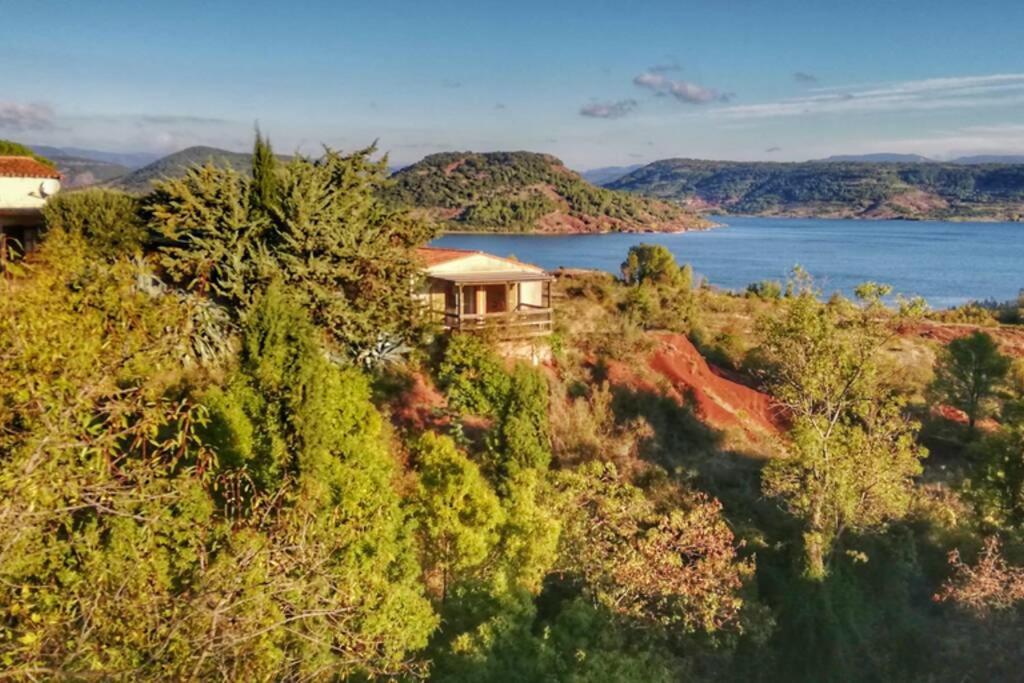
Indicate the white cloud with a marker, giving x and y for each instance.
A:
(684, 91)
(22, 117)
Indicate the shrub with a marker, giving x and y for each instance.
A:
(107, 220)
(765, 289)
(473, 376)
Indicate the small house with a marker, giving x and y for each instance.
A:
(474, 291)
(25, 185)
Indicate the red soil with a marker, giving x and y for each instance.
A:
(421, 407)
(960, 417)
(717, 400)
(1010, 339)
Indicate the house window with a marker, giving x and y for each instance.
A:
(497, 298)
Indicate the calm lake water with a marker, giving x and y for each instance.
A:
(947, 263)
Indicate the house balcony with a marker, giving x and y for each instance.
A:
(506, 305)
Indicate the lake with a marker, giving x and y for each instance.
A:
(946, 263)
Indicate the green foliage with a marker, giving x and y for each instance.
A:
(678, 569)
(16, 149)
(326, 233)
(969, 373)
(459, 515)
(854, 454)
(130, 547)
(661, 293)
(263, 193)
(766, 289)
(521, 439)
(473, 376)
(998, 489)
(107, 220)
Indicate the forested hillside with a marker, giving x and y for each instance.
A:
(837, 189)
(524, 191)
(175, 165)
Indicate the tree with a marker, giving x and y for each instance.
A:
(854, 455)
(473, 376)
(650, 263)
(522, 437)
(678, 569)
(264, 190)
(970, 371)
(325, 232)
(459, 514)
(107, 220)
(661, 292)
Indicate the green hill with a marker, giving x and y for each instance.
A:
(836, 189)
(525, 191)
(80, 172)
(174, 165)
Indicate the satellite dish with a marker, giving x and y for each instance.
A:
(49, 187)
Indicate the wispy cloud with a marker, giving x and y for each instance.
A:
(173, 120)
(608, 110)
(21, 117)
(684, 91)
(665, 67)
(805, 78)
(451, 83)
(932, 93)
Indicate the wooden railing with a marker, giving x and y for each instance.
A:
(528, 321)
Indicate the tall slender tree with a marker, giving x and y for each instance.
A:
(263, 192)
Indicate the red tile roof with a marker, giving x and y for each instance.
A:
(25, 167)
(432, 256)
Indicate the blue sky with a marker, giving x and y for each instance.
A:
(596, 83)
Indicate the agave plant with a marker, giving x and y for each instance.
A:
(388, 349)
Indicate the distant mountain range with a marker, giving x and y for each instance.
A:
(836, 189)
(130, 160)
(174, 165)
(606, 174)
(526, 192)
(887, 158)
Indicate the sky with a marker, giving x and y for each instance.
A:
(596, 83)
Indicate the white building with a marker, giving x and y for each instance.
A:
(25, 185)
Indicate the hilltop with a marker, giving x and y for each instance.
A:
(850, 189)
(526, 191)
(174, 165)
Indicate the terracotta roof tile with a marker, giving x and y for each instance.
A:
(25, 167)
(432, 256)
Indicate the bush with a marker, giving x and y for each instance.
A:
(765, 289)
(107, 220)
(473, 376)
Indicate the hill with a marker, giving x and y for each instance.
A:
(880, 158)
(81, 172)
(130, 160)
(606, 174)
(937, 191)
(174, 165)
(990, 159)
(525, 191)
